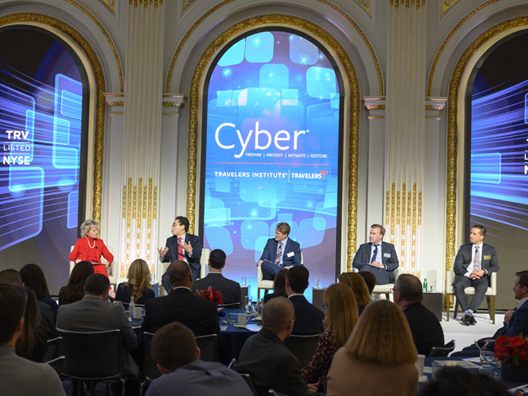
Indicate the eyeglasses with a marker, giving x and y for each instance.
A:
(325, 305)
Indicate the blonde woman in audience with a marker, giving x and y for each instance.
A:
(358, 286)
(342, 316)
(138, 284)
(378, 358)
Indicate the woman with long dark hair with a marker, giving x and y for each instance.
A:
(74, 289)
(33, 278)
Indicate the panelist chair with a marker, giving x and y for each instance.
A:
(266, 284)
(204, 268)
(385, 289)
(113, 271)
(491, 292)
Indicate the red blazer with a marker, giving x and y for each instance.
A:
(81, 250)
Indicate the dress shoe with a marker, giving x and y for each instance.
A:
(466, 320)
(472, 321)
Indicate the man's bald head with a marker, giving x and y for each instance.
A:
(278, 312)
(180, 274)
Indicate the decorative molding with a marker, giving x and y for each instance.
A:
(110, 42)
(448, 38)
(365, 4)
(453, 132)
(47, 21)
(407, 3)
(116, 103)
(145, 3)
(187, 4)
(196, 90)
(325, 2)
(372, 103)
(110, 4)
(435, 103)
(446, 4)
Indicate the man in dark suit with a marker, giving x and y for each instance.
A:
(178, 358)
(181, 305)
(95, 313)
(229, 289)
(308, 318)
(473, 266)
(377, 257)
(280, 252)
(265, 357)
(425, 327)
(517, 323)
(181, 246)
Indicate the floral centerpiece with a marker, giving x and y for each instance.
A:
(211, 295)
(513, 353)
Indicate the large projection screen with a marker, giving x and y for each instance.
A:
(43, 99)
(273, 105)
(497, 196)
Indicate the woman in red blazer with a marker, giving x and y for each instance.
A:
(90, 248)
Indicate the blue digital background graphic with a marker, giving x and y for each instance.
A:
(272, 153)
(41, 94)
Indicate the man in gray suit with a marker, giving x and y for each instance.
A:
(178, 358)
(473, 266)
(19, 376)
(95, 313)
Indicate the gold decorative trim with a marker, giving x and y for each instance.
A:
(107, 36)
(452, 132)
(375, 107)
(119, 103)
(174, 104)
(446, 4)
(434, 107)
(194, 105)
(330, 5)
(449, 37)
(407, 3)
(365, 4)
(99, 87)
(146, 3)
(187, 4)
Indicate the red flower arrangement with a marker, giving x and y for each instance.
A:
(211, 295)
(512, 348)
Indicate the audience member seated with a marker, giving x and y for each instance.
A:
(181, 305)
(265, 357)
(34, 279)
(379, 356)
(425, 327)
(138, 284)
(45, 322)
(95, 313)
(518, 322)
(19, 376)
(279, 286)
(340, 321)
(358, 286)
(456, 381)
(229, 289)
(309, 318)
(32, 344)
(370, 280)
(178, 358)
(74, 289)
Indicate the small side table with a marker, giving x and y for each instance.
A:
(434, 301)
(317, 298)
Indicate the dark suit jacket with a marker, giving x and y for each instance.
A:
(388, 254)
(93, 314)
(193, 259)
(518, 322)
(270, 252)
(271, 365)
(124, 293)
(181, 306)
(230, 289)
(425, 328)
(308, 318)
(489, 262)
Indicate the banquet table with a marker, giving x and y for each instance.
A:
(232, 338)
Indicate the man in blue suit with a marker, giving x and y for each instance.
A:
(377, 256)
(280, 252)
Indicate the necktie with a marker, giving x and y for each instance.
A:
(180, 249)
(374, 255)
(476, 262)
(279, 254)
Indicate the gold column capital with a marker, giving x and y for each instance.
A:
(374, 103)
(435, 103)
(173, 103)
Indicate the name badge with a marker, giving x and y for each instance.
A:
(487, 257)
(291, 254)
(386, 254)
